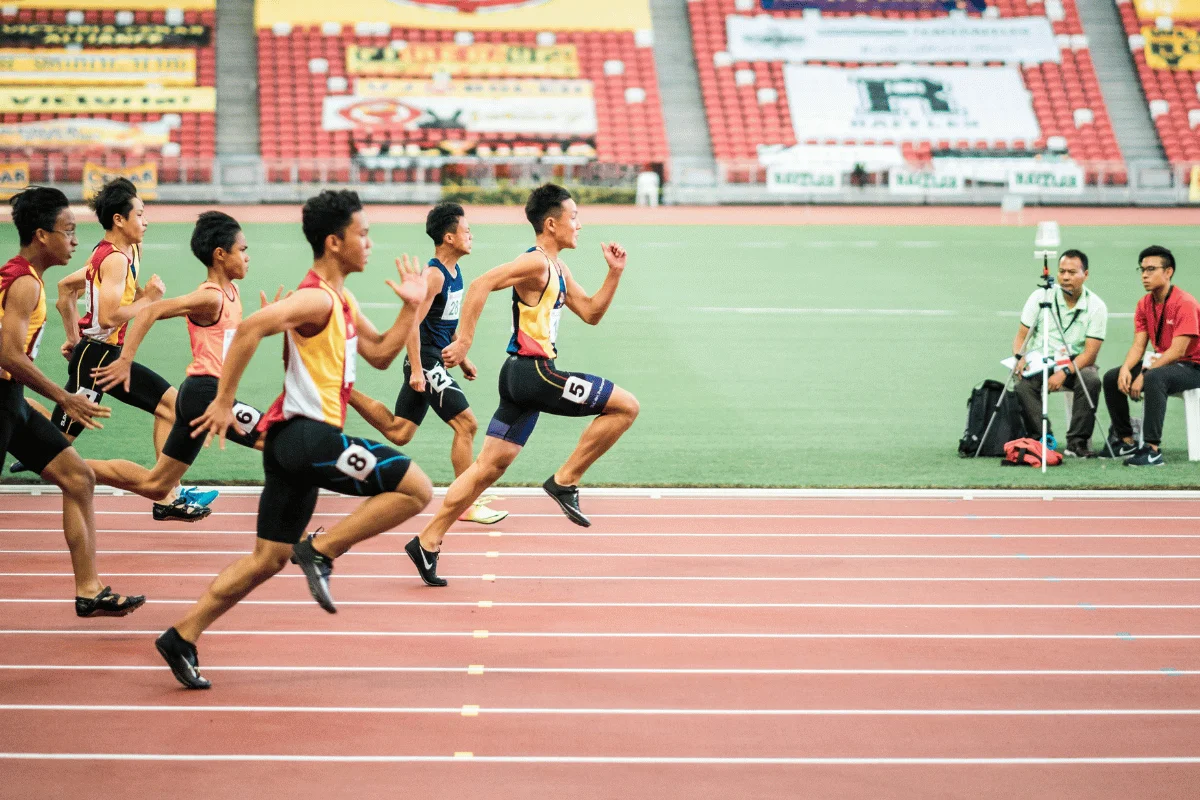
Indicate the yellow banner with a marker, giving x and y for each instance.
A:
(58, 99)
(465, 15)
(56, 134)
(1178, 48)
(473, 61)
(40, 67)
(14, 178)
(1194, 186)
(1175, 9)
(499, 89)
(123, 5)
(143, 176)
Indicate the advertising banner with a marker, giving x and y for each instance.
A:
(463, 15)
(498, 106)
(99, 100)
(474, 61)
(575, 150)
(1059, 178)
(61, 34)
(1178, 48)
(166, 67)
(875, 6)
(863, 39)
(143, 176)
(14, 178)
(784, 178)
(123, 5)
(1179, 10)
(910, 103)
(910, 182)
(54, 134)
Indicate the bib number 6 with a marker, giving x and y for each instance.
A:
(356, 461)
(245, 418)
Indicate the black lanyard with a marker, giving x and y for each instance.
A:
(1161, 318)
(1074, 317)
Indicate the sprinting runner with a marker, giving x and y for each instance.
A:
(530, 382)
(306, 448)
(213, 312)
(426, 381)
(46, 226)
(112, 297)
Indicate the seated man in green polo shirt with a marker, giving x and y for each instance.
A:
(1082, 321)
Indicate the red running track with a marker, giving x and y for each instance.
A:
(679, 648)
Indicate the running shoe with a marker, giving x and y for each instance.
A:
(108, 604)
(479, 512)
(425, 561)
(196, 497)
(567, 498)
(182, 658)
(17, 466)
(1145, 457)
(180, 510)
(317, 568)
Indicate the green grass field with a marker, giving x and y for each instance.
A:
(762, 356)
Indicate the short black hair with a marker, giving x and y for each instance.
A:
(36, 208)
(1082, 256)
(1158, 250)
(328, 214)
(213, 229)
(443, 218)
(115, 198)
(545, 201)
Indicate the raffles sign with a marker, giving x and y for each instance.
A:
(166, 67)
(473, 61)
(35, 34)
(906, 102)
(1065, 178)
(502, 106)
(1178, 48)
(784, 178)
(862, 39)
(919, 182)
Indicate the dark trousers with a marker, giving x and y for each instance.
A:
(1083, 416)
(1156, 386)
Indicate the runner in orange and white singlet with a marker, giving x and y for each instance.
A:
(306, 449)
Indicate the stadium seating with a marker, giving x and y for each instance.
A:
(629, 133)
(195, 136)
(1172, 95)
(740, 117)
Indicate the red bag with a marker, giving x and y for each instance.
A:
(1029, 451)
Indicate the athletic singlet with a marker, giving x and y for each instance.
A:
(210, 343)
(535, 328)
(16, 268)
(89, 323)
(437, 329)
(319, 370)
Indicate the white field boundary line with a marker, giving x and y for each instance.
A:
(642, 556)
(748, 493)
(608, 760)
(610, 578)
(780, 606)
(696, 671)
(628, 635)
(1065, 517)
(634, 712)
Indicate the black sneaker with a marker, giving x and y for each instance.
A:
(1078, 451)
(1145, 457)
(182, 658)
(425, 561)
(1120, 449)
(180, 510)
(317, 568)
(16, 467)
(567, 498)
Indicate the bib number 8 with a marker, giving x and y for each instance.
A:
(439, 379)
(245, 418)
(577, 390)
(356, 461)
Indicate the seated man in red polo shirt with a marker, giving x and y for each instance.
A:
(1168, 320)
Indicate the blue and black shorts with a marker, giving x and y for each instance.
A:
(529, 386)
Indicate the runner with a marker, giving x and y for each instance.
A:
(46, 226)
(530, 382)
(213, 312)
(426, 382)
(306, 448)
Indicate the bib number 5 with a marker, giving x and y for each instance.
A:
(577, 390)
(356, 461)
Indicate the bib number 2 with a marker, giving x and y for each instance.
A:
(356, 461)
(439, 379)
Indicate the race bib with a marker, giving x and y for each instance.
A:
(577, 390)
(351, 361)
(555, 317)
(229, 334)
(453, 305)
(439, 379)
(245, 418)
(90, 394)
(356, 461)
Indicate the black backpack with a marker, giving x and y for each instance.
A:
(1009, 424)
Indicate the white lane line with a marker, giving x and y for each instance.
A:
(639, 712)
(551, 604)
(629, 635)
(1065, 517)
(608, 760)
(610, 578)
(643, 556)
(175, 533)
(1156, 673)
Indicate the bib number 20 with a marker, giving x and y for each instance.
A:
(356, 461)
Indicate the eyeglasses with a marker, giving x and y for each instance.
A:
(1147, 270)
(69, 234)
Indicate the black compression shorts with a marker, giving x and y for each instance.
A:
(529, 386)
(303, 455)
(146, 387)
(30, 437)
(192, 400)
(441, 391)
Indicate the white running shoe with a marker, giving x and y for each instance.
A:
(479, 512)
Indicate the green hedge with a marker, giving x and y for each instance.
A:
(509, 195)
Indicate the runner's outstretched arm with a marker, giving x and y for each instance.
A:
(380, 349)
(527, 266)
(592, 309)
(70, 289)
